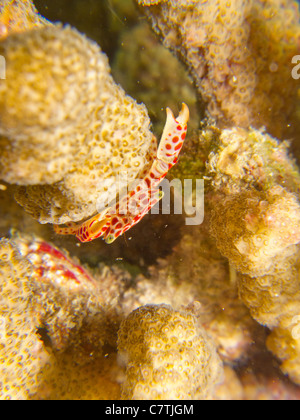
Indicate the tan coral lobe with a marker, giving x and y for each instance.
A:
(226, 292)
(52, 325)
(19, 16)
(168, 356)
(67, 130)
(239, 53)
(23, 357)
(255, 220)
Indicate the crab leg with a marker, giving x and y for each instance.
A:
(115, 221)
(87, 231)
(137, 209)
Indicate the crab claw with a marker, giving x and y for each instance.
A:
(173, 135)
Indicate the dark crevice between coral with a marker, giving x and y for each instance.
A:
(43, 333)
(94, 18)
(153, 238)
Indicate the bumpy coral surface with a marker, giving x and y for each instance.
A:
(255, 220)
(256, 213)
(18, 16)
(69, 130)
(58, 322)
(245, 158)
(239, 52)
(52, 326)
(257, 231)
(168, 355)
(68, 295)
(23, 357)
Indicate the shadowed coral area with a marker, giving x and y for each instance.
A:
(18, 16)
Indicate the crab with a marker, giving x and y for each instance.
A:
(117, 219)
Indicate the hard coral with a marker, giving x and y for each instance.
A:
(22, 355)
(168, 355)
(69, 130)
(19, 16)
(257, 231)
(255, 219)
(142, 58)
(255, 206)
(52, 325)
(239, 53)
(149, 2)
(240, 159)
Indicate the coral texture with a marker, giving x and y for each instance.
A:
(240, 159)
(239, 53)
(142, 58)
(69, 148)
(255, 220)
(19, 16)
(52, 325)
(68, 296)
(266, 231)
(23, 357)
(168, 355)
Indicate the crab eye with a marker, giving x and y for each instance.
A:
(110, 239)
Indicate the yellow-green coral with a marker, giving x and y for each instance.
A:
(168, 355)
(149, 2)
(23, 357)
(19, 16)
(196, 271)
(239, 52)
(255, 219)
(67, 129)
(142, 63)
(257, 231)
(52, 326)
(81, 378)
(246, 168)
(255, 211)
(246, 158)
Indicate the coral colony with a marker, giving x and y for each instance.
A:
(222, 302)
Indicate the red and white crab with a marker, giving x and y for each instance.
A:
(120, 217)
